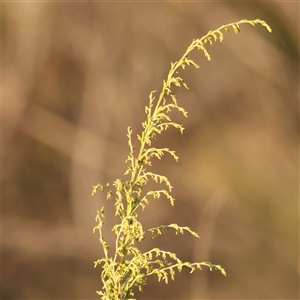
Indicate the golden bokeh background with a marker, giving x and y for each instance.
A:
(76, 74)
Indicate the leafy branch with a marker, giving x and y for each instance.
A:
(129, 267)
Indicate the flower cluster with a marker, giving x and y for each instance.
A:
(128, 267)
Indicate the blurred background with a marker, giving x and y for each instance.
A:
(76, 74)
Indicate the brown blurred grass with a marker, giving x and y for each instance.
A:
(75, 75)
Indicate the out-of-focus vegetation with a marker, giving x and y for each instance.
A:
(75, 75)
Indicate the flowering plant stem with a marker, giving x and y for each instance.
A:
(128, 267)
